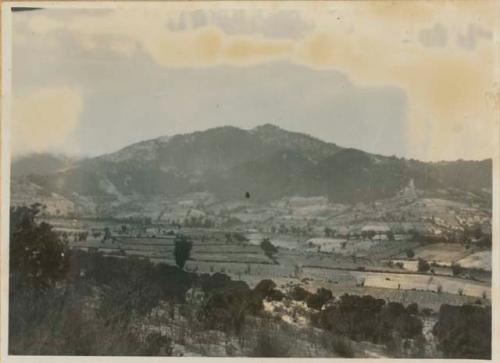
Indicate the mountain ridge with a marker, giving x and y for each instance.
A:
(267, 161)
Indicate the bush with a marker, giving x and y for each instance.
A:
(427, 311)
(412, 309)
(156, 344)
(226, 309)
(57, 322)
(264, 288)
(410, 253)
(338, 345)
(367, 318)
(276, 295)
(59, 319)
(299, 294)
(423, 265)
(38, 258)
(456, 269)
(269, 249)
(464, 332)
(270, 346)
(317, 300)
(182, 250)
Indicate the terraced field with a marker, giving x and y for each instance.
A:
(249, 263)
(442, 253)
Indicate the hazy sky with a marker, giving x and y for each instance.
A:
(413, 79)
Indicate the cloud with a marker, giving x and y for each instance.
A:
(43, 118)
(445, 81)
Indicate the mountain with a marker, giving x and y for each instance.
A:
(39, 163)
(266, 161)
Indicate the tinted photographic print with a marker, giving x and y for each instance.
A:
(249, 179)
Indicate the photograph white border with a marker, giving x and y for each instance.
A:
(6, 68)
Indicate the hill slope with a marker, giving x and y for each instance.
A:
(267, 161)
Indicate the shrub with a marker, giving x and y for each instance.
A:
(38, 258)
(456, 269)
(338, 344)
(423, 265)
(156, 344)
(276, 295)
(269, 249)
(412, 309)
(410, 253)
(299, 294)
(182, 250)
(264, 288)
(427, 311)
(464, 332)
(317, 300)
(367, 318)
(270, 346)
(226, 309)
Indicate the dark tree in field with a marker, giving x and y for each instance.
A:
(107, 234)
(38, 258)
(182, 250)
(423, 265)
(410, 253)
(390, 236)
(456, 269)
(268, 248)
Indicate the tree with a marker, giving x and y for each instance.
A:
(390, 236)
(368, 234)
(423, 265)
(38, 258)
(329, 232)
(410, 253)
(182, 250)
(264, 288)
(456, 269)
(464, 332)
(412, 309)
(364, 318)
(107, 234)
(320, 298)
(269, 248)
(270, 345)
